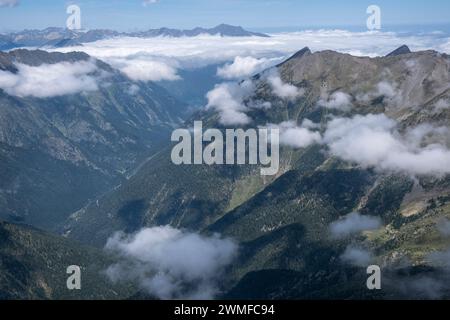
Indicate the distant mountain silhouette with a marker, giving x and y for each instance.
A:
(61, 37)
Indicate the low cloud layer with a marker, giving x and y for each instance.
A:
(49, 80)
(247, 55)
(354, 223)
(169, 263)
(215, 49)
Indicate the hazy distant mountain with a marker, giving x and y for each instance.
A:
(283, 223)
(223, 30)
(61, 37)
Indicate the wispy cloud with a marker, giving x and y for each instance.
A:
(357, 256)
(354, 223)
(146, 70)
(283, 90)
(338, 100)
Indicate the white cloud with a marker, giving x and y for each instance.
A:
(356, 256)
(354, 223)
(364, 139)
(7, 79)
(338, 100)
(169, 263)
(284, 90)
(50, 80)
(243, 67)
(146, 68)
(374, 141)
(150, 71)
(384, 88)
(133, 89)
(310, 125)
(425, 133)
(216, 49)
(295, 136)
(228, 100)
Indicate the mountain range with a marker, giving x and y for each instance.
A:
(61, 37)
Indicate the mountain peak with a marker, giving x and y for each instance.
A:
(299, 54)
(404, 49)
(224, 25)
(305, 51)
(229, 30)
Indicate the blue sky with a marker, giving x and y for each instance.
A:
(130, 15)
